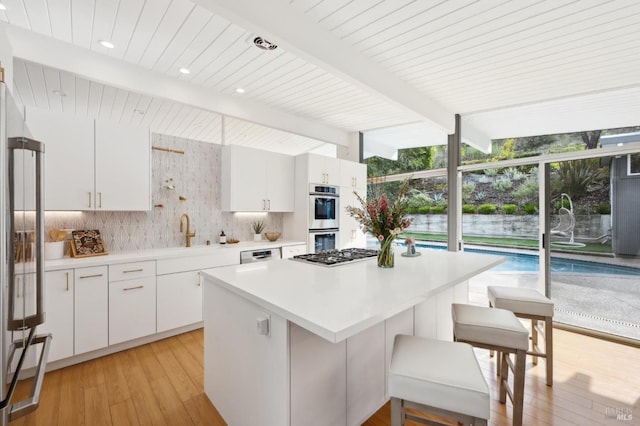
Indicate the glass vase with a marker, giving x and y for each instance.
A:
(385, 255)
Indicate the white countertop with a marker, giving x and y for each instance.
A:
(162, 253)
(339, 302)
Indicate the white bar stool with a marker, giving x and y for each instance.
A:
(531, 304)
(499, 330)
(436, 377)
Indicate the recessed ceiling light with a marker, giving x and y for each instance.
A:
(184, 70)
(239, 90)
(264, 44)
(107, 44)
(138, 111)
(59, 93)
(3, 7)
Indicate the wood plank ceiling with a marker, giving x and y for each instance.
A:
(467, 55)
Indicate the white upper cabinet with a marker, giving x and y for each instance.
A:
(353, 175)
(69, 158)
(123, 167)
(256, 181)
(92, 165)
(324, 170)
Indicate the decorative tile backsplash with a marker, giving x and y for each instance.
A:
(195, 176)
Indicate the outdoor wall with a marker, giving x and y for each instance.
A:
(516, 226)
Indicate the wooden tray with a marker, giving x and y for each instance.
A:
(87, 242)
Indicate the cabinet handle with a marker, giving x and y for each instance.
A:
(18, 287)
(133, 288)
(91, 276)
(67, 274)
(268, 204)
(89, 198)
(199, 279)
(100, 200)
(264, 204)
(133, 270)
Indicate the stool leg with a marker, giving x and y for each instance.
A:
(518, 387)
(534, 339)
(491, 350)
(548, 348)
(504, 376)
(397, 418)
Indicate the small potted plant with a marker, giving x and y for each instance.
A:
(258, 227)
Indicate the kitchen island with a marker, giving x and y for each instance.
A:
(292, 343)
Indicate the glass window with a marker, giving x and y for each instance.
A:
(633, 164)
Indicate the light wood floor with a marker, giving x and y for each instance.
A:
(162, 384)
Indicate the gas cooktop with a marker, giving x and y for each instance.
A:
(336, 257)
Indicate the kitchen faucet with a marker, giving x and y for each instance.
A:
(188, 234)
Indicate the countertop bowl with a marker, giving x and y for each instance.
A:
(272, 236)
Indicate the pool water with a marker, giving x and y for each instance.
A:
(520, 262)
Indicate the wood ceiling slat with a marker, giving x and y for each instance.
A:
(103, 25)
(219, 51)
(256, 64)
(369, 17)
(82, 96)
(198, 123)
(21, 82)
(68, 86)
(140, 109)
(38, 15)
(82, 22)
(172, 22)
(161, 115)
(36, 80)
(95, 99)
(106, 103)
(119, 102)
(60, 19)
(129, 107)
(280, 88)
(151, 112)
(305, 5)
(129, 12)
(181, 127)
(518, 52)
(350, 12)
(211, 130)
(193, 26)
(52, 82)
(238, 55)
(146, 27)
(174, 110)
(517, 41)
(16, 13)
(204, 39)
(286, 62)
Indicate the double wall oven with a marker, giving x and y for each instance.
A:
(324, 217)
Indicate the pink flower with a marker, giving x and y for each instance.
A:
(380, 238)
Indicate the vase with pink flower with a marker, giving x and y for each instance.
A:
(384, 218)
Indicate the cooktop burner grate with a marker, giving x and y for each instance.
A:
(337, 257)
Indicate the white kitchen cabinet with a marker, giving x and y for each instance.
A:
(324, 170)
(59, 313)
(91, 309)
(179, 300)
(353, 175)
(255, 180)
(290, 251)
(179, 287)
(132, 301)
(69, 155)
(91, 164)
(123, 167)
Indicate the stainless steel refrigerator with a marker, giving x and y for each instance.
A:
(22, 350)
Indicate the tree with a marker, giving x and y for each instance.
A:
(590, 139)
(409, 160)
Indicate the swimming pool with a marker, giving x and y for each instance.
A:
(522, 262)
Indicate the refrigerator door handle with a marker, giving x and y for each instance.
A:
(26, 406)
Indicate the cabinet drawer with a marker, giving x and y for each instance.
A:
(128, 271)
(132, 309)
(218, 257)
(290, 251)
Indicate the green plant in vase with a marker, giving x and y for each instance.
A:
(258, 227)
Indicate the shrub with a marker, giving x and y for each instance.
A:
(467, 190)
(437, 197)
(417, 200)
(481, 196)
(527, 190)
(530, 208)
(437, 209)
(491, 172)
(486, 208)
(575, 177)
(502, 184)
(562, 203)
(509, 208)
(603, 208)
(513, 173)
(423, 209)
(468, 208)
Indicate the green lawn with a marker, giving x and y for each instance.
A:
(520, 243)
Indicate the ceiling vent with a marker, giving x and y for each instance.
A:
(264, 44)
